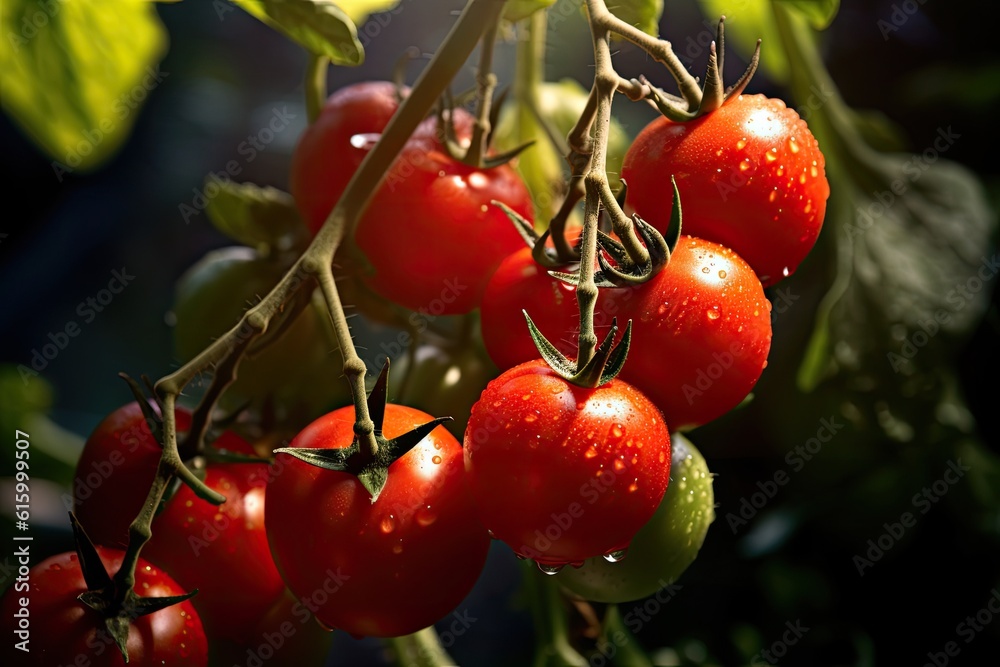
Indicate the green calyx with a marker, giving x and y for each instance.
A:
(713, 93)
(603, 367)
(371, 469)
(118, 610)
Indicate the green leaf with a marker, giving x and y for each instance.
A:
(74, 74)
(643, 14)
(819, 13)
(521, 9)
(255, 215)
(359, 10)
(320, 26)
(746, 22)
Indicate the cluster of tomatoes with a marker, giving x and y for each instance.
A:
(584, 476)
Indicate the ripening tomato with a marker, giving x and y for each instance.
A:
(64, 631)
(751, 175)
(220, 550)
(662, 549)
(701, 327)
(333, 146)
(562, 473)
(385, 568)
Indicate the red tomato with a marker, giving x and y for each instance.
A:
(64, 631)
(432, 234)
(751, 176)
(332, 147)
(380, 569)
(222, 551)
(701, 327)
(562, 473)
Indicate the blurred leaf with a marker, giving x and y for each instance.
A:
(255, 215)
(359, 10)
(746, 22)
(520, 9)
(879, 131)
(643, 14)
(318, 25)
(74, 74)
(819, 13)
(972, 85)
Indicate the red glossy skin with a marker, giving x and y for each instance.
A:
(222, 551)
(381, 569)
(432, 234)
(701, 327)
(562, 473)
(751, 177)
(64, 631)
(325, 158)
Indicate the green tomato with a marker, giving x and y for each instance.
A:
(298, 368)
(664, 547)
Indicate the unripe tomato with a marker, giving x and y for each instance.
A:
(664, 547)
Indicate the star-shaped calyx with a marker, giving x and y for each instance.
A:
(371, 468)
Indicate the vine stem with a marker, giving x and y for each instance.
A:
(486, 82)
(315, 84)
(315, 265)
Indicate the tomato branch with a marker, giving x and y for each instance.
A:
(315, 83)
(486, 82)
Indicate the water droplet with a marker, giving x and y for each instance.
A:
(813, 171)
(388, 524)
(741, 144)
(633, 487)
(530, 417)
(745, 165)
(713, 314)
(770, 155)
(756, 312)
(792, 146)
(484, 208)
(441, 174)
(581, 406)
(619, 465)
(56, 567)
(705, 269)
(397, 548)
(497, 404)
(662, 457)
(616, 431)
(590, 453)
(808, 207)
(425, 516)
(802, 178)
(526, 397)
(662, 309)
(616, 556)
(549, 569)
(437, 445)
(722, 274)
(774, 195)
(436, 460)
(365, 140)
(577, 564)
(490, 533)
(785, 272)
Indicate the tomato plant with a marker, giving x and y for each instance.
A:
(65, 631)
(190, 536)
(562, 473)
(370, 568)
(752, 172)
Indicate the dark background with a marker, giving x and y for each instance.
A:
(792, 562)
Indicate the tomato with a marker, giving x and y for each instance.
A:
(333, 146)
(662, 549)
(384, 568)
(64, 631)
(561, 473)
(701, 327)
(751, 175)
(432, 234)
(222, 551)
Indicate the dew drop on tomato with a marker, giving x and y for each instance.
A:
(365, 141)
(549, 569)
(616, 556)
